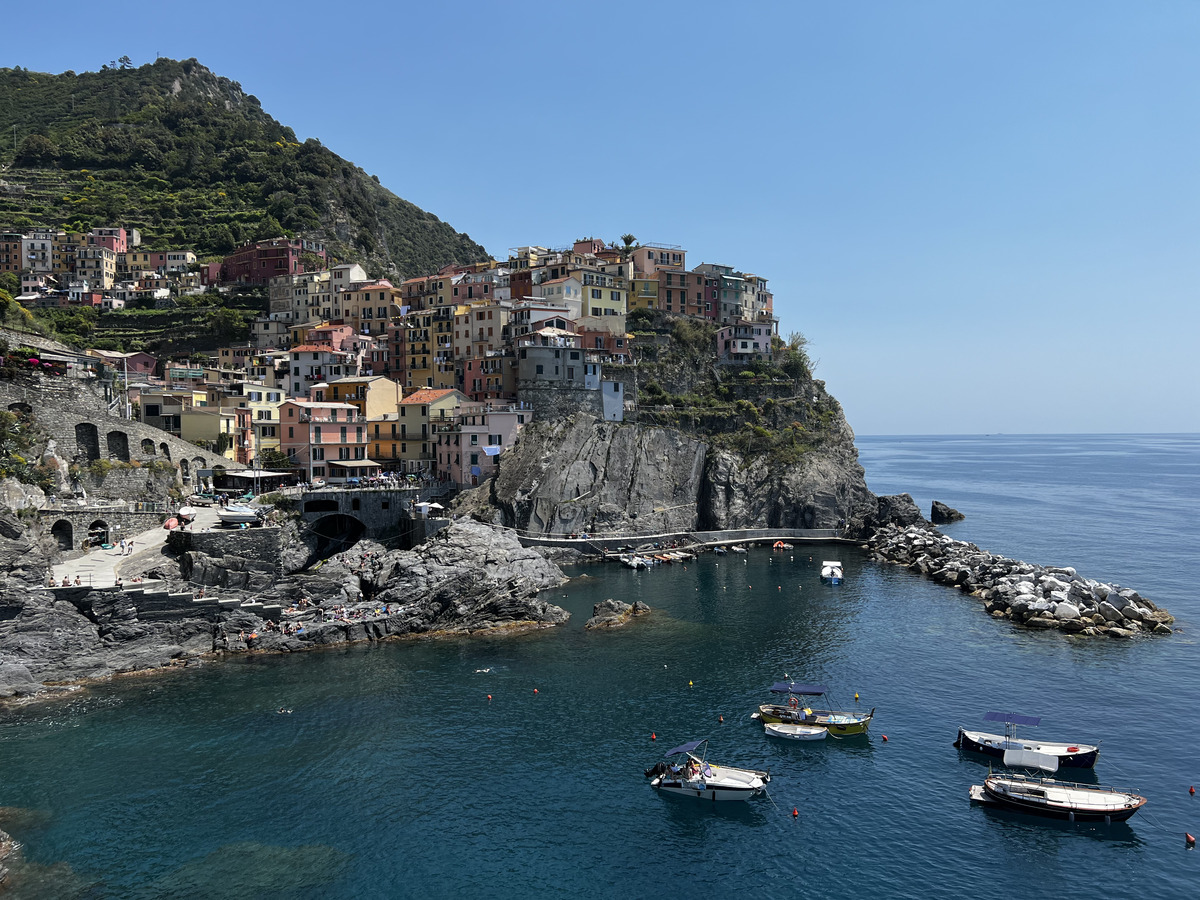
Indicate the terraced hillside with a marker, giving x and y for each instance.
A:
(191, 160)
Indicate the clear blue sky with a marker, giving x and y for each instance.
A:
(985, 216)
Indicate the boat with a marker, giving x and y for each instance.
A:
(780, 545)
(1079, 756)
(635, 562)
(235, 514)
(1057, 799)
(187, 513)
(797, 711)
(831, 571)
(796, 732)
(738, 548)
(686, 772)
(720, 551)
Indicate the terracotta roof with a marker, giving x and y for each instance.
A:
(428, 395)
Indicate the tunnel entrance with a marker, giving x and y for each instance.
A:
(330, 535)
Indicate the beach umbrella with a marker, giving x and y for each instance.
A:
(171, 523)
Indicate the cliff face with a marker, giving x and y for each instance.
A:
(581, 474)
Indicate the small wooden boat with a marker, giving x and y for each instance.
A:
(1080, 756)
(1057, 799)
(831, 571)
(796, 732)
(685, 772)
(797, 711)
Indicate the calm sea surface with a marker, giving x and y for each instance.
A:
(396, 776)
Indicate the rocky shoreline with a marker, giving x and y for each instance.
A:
(1029, 595)
(467, 578)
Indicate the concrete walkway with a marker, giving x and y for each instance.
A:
(99, 568)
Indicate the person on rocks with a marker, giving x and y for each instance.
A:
(78, 580)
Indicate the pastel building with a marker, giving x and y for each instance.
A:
(325, 439)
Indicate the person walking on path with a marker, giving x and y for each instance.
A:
(122, 546)
(129, 549)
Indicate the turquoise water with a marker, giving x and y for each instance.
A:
(395, 776)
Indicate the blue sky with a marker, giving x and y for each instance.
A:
(984, 216)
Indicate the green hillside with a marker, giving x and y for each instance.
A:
(192, 161)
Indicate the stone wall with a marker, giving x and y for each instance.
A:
(553, 401)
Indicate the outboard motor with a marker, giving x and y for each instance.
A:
(659, 768)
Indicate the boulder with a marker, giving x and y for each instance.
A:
(941, 514)
(1065, 611)
(1110, 612)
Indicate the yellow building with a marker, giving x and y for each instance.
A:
(369, 308)
(405, 440)
(371, 395)
(643, 292)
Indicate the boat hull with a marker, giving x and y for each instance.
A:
(796, 732)
(715, 784)
(1078, 756)
(1057, 799)
(839, 724)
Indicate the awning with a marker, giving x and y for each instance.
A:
(353, 463)
(685, 748)
(1011, 718)
(791, 687)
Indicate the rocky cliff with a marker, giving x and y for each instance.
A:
(581, 474)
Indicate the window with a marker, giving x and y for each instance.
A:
(540, 369)
(597, 294)
(318, 452)
(474, 440)
(291, 432)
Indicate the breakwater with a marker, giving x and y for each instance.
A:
(1030, 595)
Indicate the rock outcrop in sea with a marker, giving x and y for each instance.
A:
(1030, 595)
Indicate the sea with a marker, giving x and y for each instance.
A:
(512, 766)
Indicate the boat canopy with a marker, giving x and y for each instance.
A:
(1011, 718)
(685, 748)
(791, 687)
(832, 562)
(1030, 759)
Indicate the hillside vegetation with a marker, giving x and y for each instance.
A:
(194, 162)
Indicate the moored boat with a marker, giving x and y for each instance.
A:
(1057, 799)
(831, 571)
(685, 772)
(797, 711)
(781, 545)
(1080, 756)
(795, 732)
(738, 548)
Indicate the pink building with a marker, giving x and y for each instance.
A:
(469, 447)
(325, 440)
(114, 239)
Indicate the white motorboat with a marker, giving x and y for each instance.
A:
(831, 571)
(685, 772)
(738, 548)
(795, 732)
(235, 514)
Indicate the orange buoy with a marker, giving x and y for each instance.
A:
(1192, 789)
(885, 737)
(1191, 841)
(489, 696)
(653, 736)
(795, 812)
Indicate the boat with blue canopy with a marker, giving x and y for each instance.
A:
(1067, 755)
(686, 772)
(802, 709)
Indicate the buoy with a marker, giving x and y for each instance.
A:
(653, 736)
(722, 718)
(489, 696)
(535, 690)
(885, 737)
(795, 812)
(1192, 789)
(780, 588)
(689, 684)
(856, 696)
(1190, 841)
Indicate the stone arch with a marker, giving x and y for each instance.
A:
(335, 533)
(320, 506)
(147, 447)
(98, 533)
(87, 439)
(165, 450)
(118, 445)
(183, 468)
(21, 408)
(198, 462)
(63, 532)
